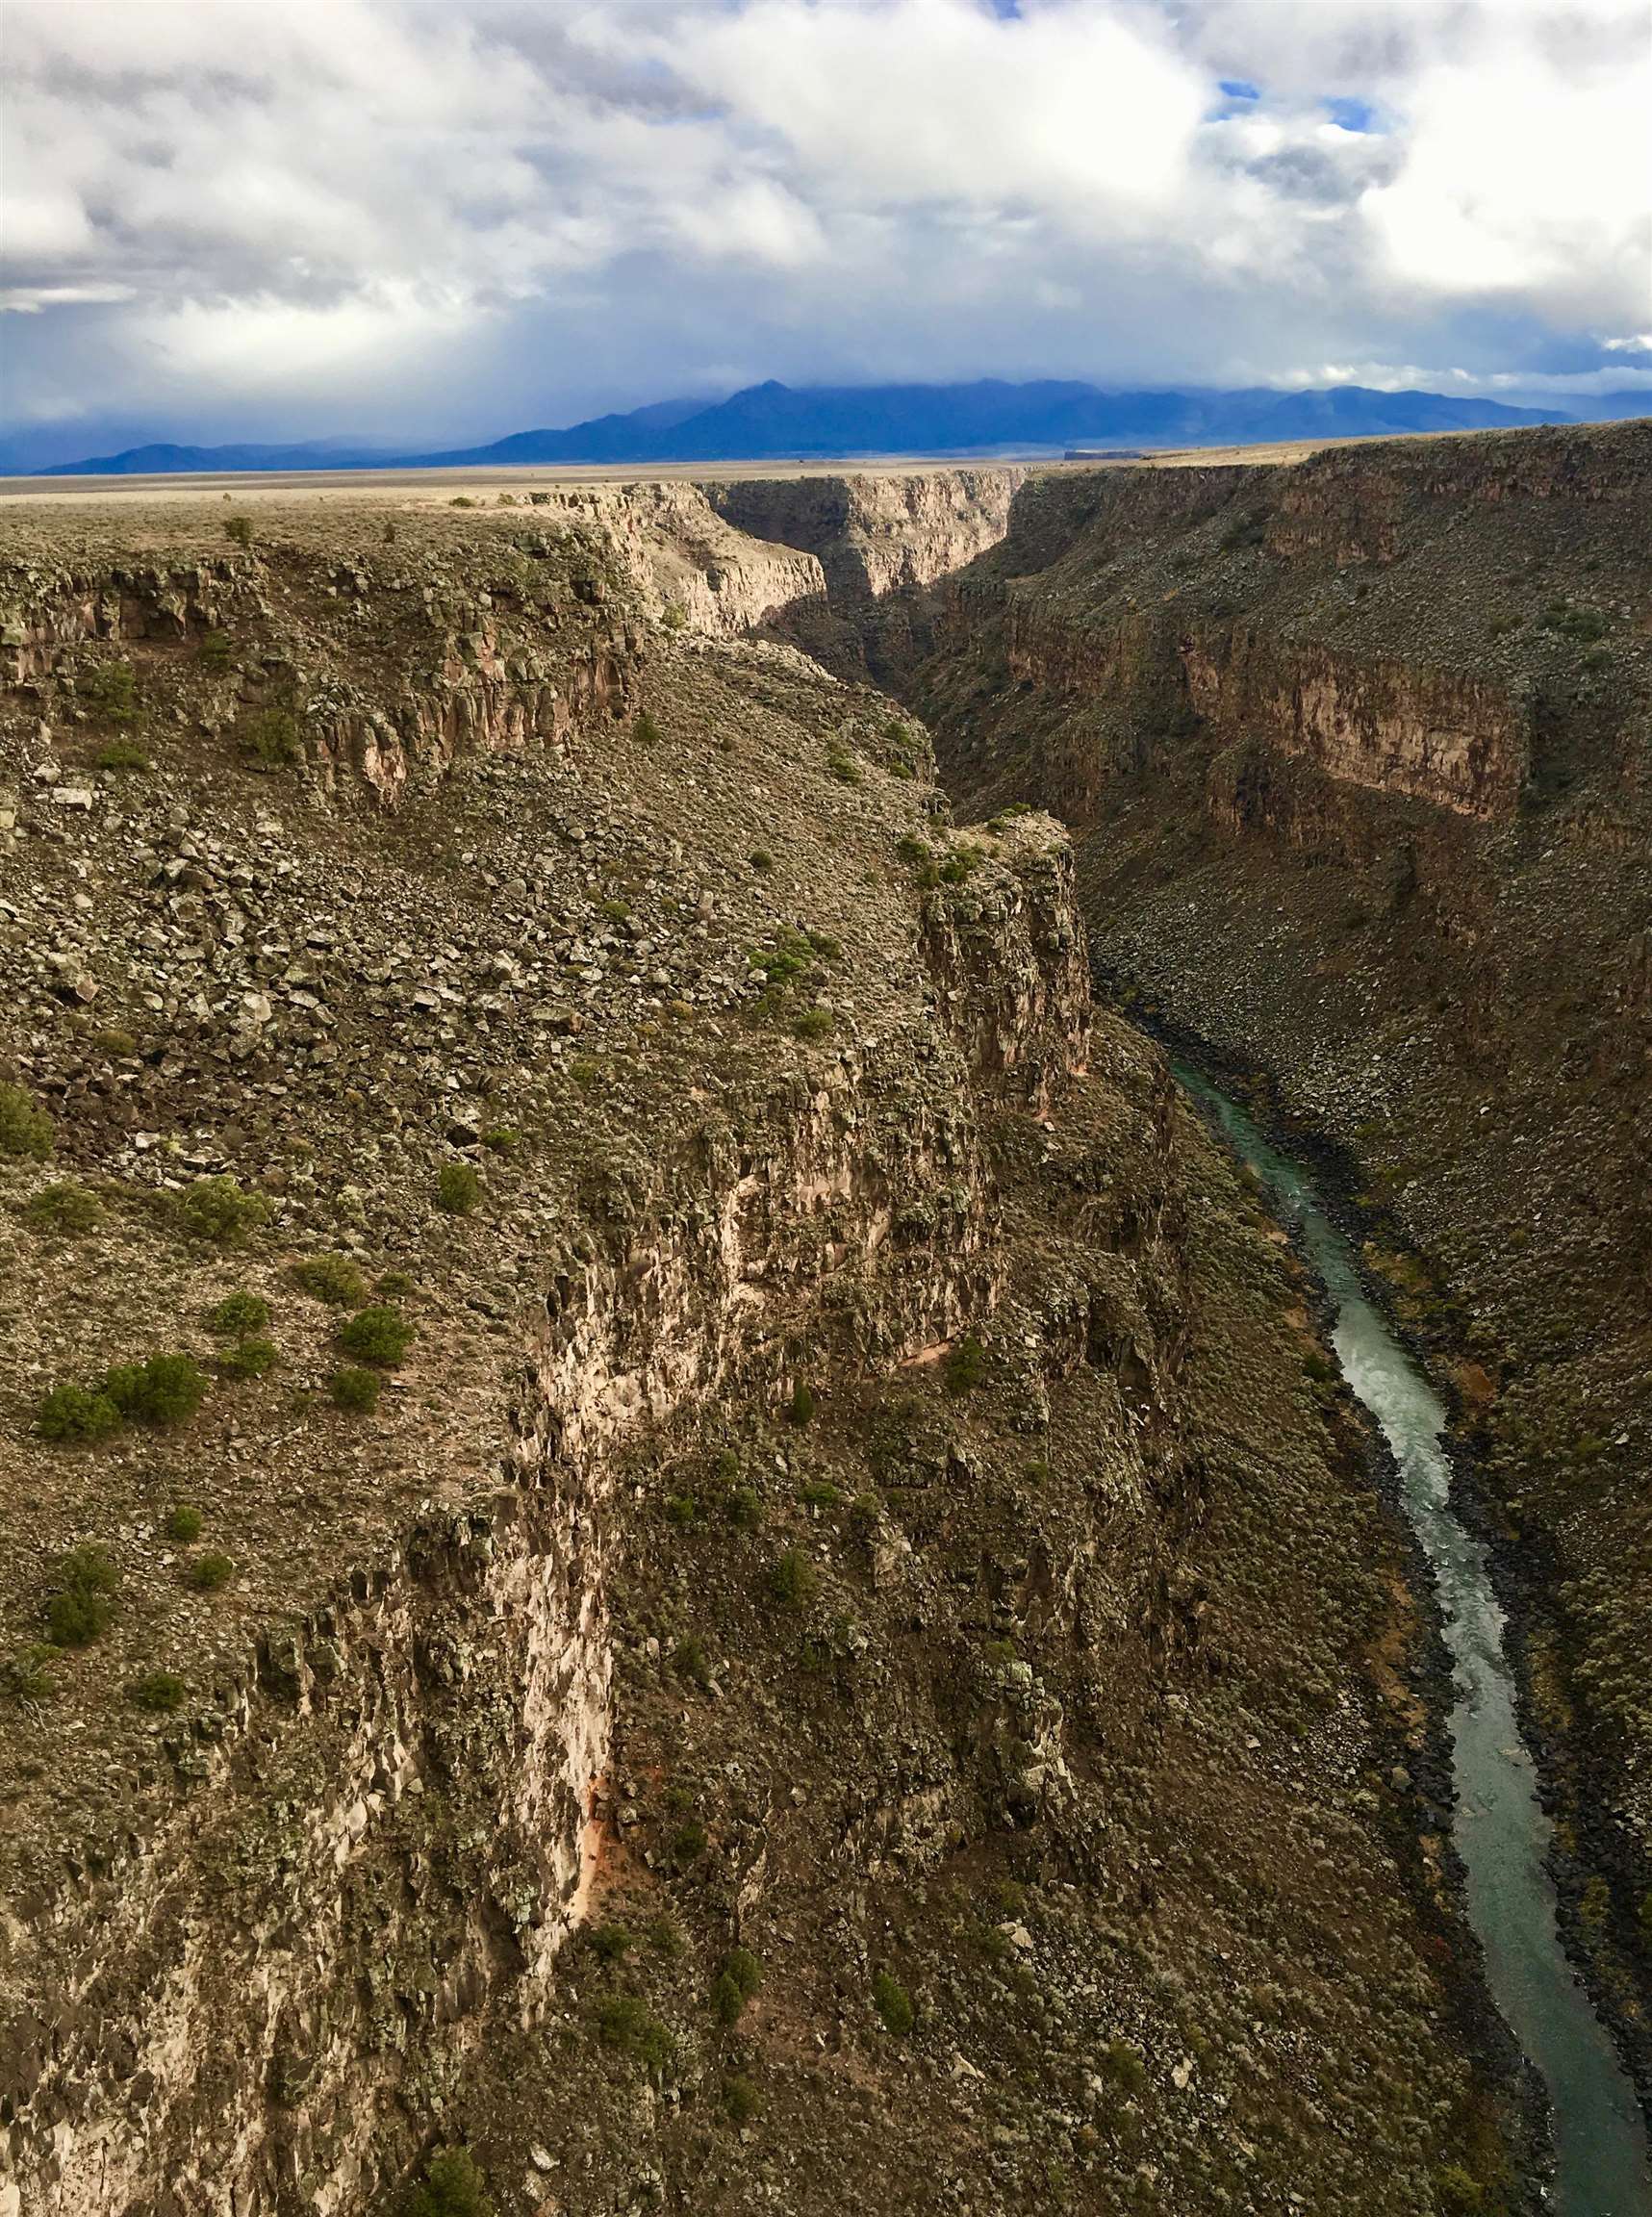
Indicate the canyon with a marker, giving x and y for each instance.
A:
(860, 1634)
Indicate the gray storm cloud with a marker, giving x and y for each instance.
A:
(440, 218)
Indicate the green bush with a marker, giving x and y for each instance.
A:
(182, 1523)
(215, 650)
(673, 616)
(762, 861)
(458, 1189)
(965, 1368)
(380, 1336)
(691, 1661)
(1458, 2192)
(249, 1358)
(1123, 2065)
(452, 2186)
(842, 766)
(646, 732)
(624, 2021)
(800, 1409)
(166, 1390)
(728, 2002)
(501, 1138)
(110, 691)
(236, 1314)
(75, 1413)
(27, 1674)
(216, 1208)
(67, 1208)
(115, 1041)
(892, 2002)
(82, 1602)
(744, 1509)
(611, 1943)
(270, 738)
(159, 1691)
(240, 529)
(741, 2100)
(25, 1129)
(121, 754)
(687, 1844)
(210, 1571)
(816, 1022)
(333, 1278)
(793, 1580)
(357, 1390)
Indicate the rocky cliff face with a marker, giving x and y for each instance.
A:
(712, 1503)
(1356, 756)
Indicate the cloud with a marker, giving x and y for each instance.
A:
(286, 219)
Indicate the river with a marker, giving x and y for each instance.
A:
(1502, 1834)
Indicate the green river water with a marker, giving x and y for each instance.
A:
(1502, 1834)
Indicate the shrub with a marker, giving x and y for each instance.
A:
(65, 1208)
(744, 1509)
(893, 2004)
(115, 1041)
(673, 616)
(793, 1580)
(210, 1571)
(182, 1523)
(664, 1938)
(159, 1691)
(25, 1129)
(746, 1970)
(741, 2100)
(27, 1675)
(624, 2022)
(458, 1189)
(166, 1390)
(394, 1286)
(215, 650)
(270, 738)
(965, 1368)
(380, 1336)
(240, 529)
(1123, 2066)
(501, 1138)
(646, 732)
(691, 1661)
(110, 691)
(357, 1390)
(688, 1844)
(611, 1942)
(842, 766)
(121, 754)
(333, 1278)
(250, 1358)
(452, 2186)
(728, 2002)
(813, 1023)
(1458, 2192)
(239, 1314)
(800, 1409)
(82, 1604)
(216, 1208)
(762, 861)
(74, 1413)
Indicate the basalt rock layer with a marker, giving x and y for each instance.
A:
(668, 1520)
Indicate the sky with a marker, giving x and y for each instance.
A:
(448, 221)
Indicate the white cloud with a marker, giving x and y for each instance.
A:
(489, 212)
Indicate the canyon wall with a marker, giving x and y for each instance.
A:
(1358, 755)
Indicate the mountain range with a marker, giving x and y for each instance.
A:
(774, 421)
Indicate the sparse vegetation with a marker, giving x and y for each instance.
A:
(800, 1409)
(735, 1985)
(82, 1602)
(624, 2021)
(893, 2005)
(160, 1692)
(26, 1131)
(240, 529)
(452, 2185)
(108, 691)
(380, 1336)
(741, 2100)
(355, 1390)
(459, 1189)
(236, 1314)
(165, 1390)
(210, 1571)
(67, 1208)
(793, 1580)
(117, 754)
(645, 731)
(331, 1277)
(217, 1209)
(183, 1524)
(965, 1366)
(71, 1413)
(270, 738)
